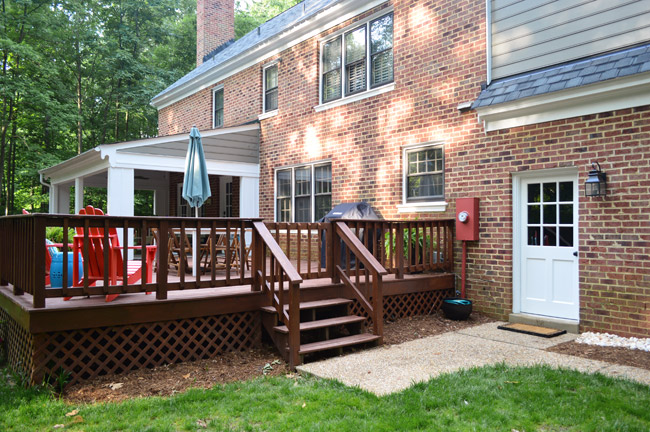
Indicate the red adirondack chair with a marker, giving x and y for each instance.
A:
(96, 252)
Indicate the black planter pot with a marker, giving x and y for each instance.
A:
(457, 308)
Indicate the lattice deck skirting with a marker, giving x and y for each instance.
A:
(18, 344)
(98, 351)
(406, 305)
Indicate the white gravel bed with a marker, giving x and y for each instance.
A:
(610, 340)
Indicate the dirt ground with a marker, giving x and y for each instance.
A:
(617, 355)
(170, 379)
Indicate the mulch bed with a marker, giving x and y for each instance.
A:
(617, 355)
(239, 366)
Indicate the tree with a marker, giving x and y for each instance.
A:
(250, 16)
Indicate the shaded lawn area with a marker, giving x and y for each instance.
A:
(490, 398)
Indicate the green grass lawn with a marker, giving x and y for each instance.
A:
(495, 398)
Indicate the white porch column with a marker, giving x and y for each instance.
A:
(59, 198)
(78, 194)
(120, 191)
(120, 197)
(249, 197)
(54, 198)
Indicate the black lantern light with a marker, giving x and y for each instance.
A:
(596, 184)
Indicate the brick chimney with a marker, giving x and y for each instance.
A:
(215, 25)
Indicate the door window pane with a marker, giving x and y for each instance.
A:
(549, 236)
(550, 212)
(566, 236)
(533, 236)
(566, 191)
(533, 214)
(566, 213)
(550, 192)
(533, 193)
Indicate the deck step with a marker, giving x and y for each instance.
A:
(313, 304)
(312, 325)
(337, 343)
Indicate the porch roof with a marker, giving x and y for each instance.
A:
(228, 151)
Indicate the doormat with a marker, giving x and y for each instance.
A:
(532, 330)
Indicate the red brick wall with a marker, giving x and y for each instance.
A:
(439, 51)
(242, 104)
(215, 24)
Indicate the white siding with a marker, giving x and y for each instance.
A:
(531, 34)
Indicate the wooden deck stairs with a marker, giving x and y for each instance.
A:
(326, 327)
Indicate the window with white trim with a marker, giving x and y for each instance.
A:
(217, 108)
(271, 88)
(303, 193)
(424, 173)
(357, 60)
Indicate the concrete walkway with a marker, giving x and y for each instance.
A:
(388, 369)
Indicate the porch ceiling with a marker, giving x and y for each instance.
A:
(228, 151)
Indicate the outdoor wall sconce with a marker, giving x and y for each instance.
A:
(596, 184)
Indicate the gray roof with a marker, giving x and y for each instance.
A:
(577, 73)
(273, 27)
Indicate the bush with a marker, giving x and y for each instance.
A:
(55, 234)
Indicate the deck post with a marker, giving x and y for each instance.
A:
(333, 252)
(163, 252)
(378, 307)
(38, 263)
(399, 251)
(294, 325)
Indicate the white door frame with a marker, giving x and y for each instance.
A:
(517, 179)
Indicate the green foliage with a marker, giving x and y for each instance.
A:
(496, 398)
(249, 17)
(55, 234)
(415, 235)
(79, 73)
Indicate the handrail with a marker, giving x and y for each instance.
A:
(376, 310)
(359, 249)
(276, 251)
(280, 270)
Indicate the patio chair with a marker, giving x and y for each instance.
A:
(176, 252)
(96, 252)
(220, 259)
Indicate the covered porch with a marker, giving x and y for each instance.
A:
(156, 165)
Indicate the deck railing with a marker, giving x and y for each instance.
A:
(314, 250)
(24, 253)
(407, 246)
(306, 245)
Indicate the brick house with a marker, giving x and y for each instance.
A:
(409, 105)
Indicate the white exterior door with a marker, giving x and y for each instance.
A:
(547, 252)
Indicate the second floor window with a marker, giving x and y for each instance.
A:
(217, 106)
(358, 60)
(271, 88)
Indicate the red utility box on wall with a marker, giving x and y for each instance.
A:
(467, 219)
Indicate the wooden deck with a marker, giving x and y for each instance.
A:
(94, 311)
(185, 318)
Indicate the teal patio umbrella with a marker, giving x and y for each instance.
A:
(196, 185)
